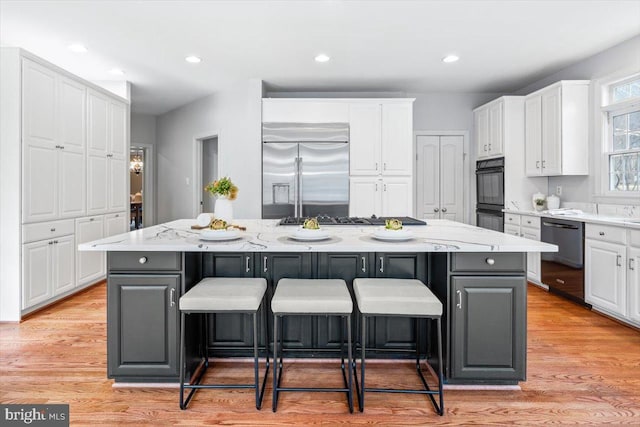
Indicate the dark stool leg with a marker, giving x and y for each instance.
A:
(440, 373)
(182, 362)
(349, 359)
(274, 404)
(255, 360)
(362, 361)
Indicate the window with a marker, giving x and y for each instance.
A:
(623, 135)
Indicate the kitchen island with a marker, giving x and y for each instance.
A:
(479, 274)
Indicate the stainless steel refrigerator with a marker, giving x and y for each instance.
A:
(305, 169)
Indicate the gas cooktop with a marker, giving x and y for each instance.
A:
(351, 220)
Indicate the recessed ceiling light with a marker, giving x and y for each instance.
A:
(117, 71)
(78, 48)
(193, 59)
(450, 58)
(322, 58)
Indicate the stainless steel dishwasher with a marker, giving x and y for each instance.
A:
(563, 271)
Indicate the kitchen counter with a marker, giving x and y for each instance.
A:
(268, 236)
(627, 222)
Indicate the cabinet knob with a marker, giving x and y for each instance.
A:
(444, 209)
(510, 219)
(537, 164)
(143, 260)
(436, 209)
(490, 261)
(53, 229)
(601, 233)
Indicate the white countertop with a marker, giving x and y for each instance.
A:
(268, 236)
(627, 222)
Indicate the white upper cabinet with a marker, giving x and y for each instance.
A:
(72, 185)
(98, 119)
(489, 125)
(38, 103)
(397, 196)
(365, 139)
(73, 114)
(117, 129)
(116, 224)
(39, 181)
(556, 129)
(397, 130)
(117, 179)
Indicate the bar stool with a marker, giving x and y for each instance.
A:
(398, 297)
(223, 295)
(329, 297)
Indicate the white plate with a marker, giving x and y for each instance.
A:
(392, 235)
(204, 219)
(309, 235)
(219, 235)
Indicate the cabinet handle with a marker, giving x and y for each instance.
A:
(485, 147)
(62, 147)
(490, 261)
(601, 233)
(436, 209)
(537, 164)
(631, 267)
(117, 215)
(247, 269)
(376, 187)
(143, 260)
(528, 222)
(459, 294)
(55, 242)
(384, 187)
(510, 219)
(53, 229)
(543, 164)
(376, 165)
(444, 209)
(91, 219)
(489, 147)
(619, 260)
(521, 234)
(51, 242)
(172, 297)
(381, 264)
(264, 264)
(384, 165)
(364, 265)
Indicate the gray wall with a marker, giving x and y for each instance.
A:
(625, 56)
(235, 116)
(143, 129)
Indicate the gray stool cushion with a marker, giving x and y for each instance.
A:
(224, 294)
(312, 296)
(403, 297)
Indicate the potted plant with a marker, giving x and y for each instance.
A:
(225, 192)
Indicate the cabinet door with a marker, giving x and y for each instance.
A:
(72, 114)
(551, 132)
(397, 197)
(428, 176)
(482, 132)
(64, 274)
(633, 283)
(533, 135)
(533, 258)
(397, 139)
(72, 184)
(39, 182)
(496, 129)
(298, 330)
(115, 224)
(118, 129)
(229, 330)
(512, 229)
(488, 327)
(396, 332)
(38, 103)
(605, 275)
(364, 139)
(37, 270)
(116, 184)
(365, 197)
(452, 178)
(345, 266)
(142, 325)
(90, 266)
(97, 123)
(97, 179)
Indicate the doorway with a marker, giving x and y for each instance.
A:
(206, 170)
(137, 175)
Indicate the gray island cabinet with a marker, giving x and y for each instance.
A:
(479, 275)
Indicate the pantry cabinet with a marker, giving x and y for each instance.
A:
(556, 129)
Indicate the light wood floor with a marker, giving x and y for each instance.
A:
(582, 369)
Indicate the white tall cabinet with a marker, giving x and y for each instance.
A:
(440, 177)
(54, 125)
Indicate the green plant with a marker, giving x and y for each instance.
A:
(222, 187)
(539, 202)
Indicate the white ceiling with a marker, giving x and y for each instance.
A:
(374, 45)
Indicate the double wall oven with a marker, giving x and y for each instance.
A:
(490, 194)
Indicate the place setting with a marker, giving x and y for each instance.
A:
(393, 231)
(309, 232)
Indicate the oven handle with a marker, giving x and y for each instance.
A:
(492, 170)
(570, 227)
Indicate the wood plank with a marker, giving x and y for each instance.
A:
(582, 368)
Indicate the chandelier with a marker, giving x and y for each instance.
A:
(136, 163)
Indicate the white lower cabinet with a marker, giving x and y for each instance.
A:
(526, 226)
(115, 224)
(605, 275)
(91, 266)
(48, 268)
(380, 196)
(633, 284)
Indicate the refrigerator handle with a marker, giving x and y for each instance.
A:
(295, 189)
(300, 183)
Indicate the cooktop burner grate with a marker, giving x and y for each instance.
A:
(351, 220)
